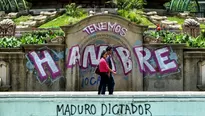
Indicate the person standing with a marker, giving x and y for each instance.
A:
(111, 82)
(104, 71)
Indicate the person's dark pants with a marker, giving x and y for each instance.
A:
(103, 83)
(111, 84)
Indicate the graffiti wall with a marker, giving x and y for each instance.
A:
(151, 62)
(168, 68)
(131, 59)
(45, 68)
(71, 66)
(43, 62)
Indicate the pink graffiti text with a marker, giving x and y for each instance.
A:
(105, 26)
(40, 63)
(91, 55)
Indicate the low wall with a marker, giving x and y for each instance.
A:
(169, 81)
(194, 78)
(26, 65)
(88, 103)
(31, 67)
(71, 66)
(14, 74)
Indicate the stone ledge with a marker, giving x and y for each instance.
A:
(90, 94)
(201, 87)
(12, 55)
(5, 88)
(37, 46)
(194, 54)
(165, 44)
(11, 50)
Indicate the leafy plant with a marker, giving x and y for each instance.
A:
(128, 4)
(35, 37)
(134, 17)
(28, 38)
(171, 37)
(73, 10)
(123, 13)
(9, 42)
(40, 37)
(13, 5)
(130, 15)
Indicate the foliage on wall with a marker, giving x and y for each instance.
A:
(40, 37)
(9, 42)
(34, 37)
(178, 38)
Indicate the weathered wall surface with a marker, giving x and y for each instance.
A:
(194, 69)
(171, 80)
(85, 42)
(14, 73)
(88, 104)
(71, 66)
(159, 65)
(33, 68)
(45, 67)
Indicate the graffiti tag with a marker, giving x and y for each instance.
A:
(150, 61)
(105, 26)
(44, 61)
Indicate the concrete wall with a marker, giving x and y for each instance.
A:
(170, 81)
(71, 66)
(15, 70)
(148, 67)
(54, 79)
(193, 72)
(91, 36)
(87, 104)
(19, 74)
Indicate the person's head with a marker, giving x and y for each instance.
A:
(103, 54)
(109, 50)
